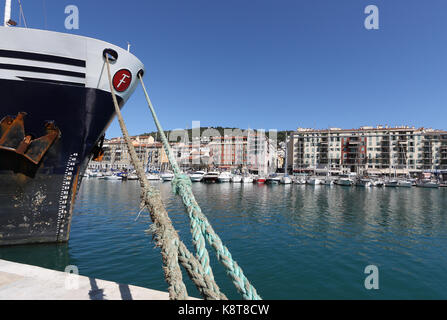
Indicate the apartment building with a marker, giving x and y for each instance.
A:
(368, 150)
(116, 155)
(251, 151)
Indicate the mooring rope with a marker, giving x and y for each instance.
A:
(200, 227)
(173, 249)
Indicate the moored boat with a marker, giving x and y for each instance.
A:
(260, 179)
(55, 97)
(425, 183)
(377, 183)
(391, 183)
(167, 176)
(211, 177)
(285, 180)
(273, 179)
(299, 181)
(95, 174)
(224, 177)
(327, 181)
(236, 178)
(404, 183)
(105, 175)
(344, 181)
(247, 179)
(314, 181)
(197, 176)
(364, 182)
(113, 177)
(152, 177)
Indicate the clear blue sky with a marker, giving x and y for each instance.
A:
(273, 64)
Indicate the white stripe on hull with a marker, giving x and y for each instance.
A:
(42, 64)
(61, 45)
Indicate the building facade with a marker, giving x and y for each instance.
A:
(368, 150)
(250, 152)
(116, 155)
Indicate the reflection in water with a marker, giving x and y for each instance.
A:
(292, 241)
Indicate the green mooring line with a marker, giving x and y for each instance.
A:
(200, 227)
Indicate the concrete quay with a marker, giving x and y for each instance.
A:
(25, 282)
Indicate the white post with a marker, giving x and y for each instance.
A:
(7, 13)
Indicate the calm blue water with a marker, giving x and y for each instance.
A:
(293, 242)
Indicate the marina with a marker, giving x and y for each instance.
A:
(276, 178)
(321, 237)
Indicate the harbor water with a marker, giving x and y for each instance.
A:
(292, 241)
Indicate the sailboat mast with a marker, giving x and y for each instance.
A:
(329, 153)
(286, 156)
(7, 13)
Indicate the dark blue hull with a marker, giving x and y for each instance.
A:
(36, 201)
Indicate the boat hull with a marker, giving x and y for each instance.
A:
(428, 185)
(36, 202)
(236, 179)
(285, 180)
(342, 182)
(60, 78)
(210, 179)
(405, 184)
(152, 177)
(167, 177)
(314, 182)
(393, 184)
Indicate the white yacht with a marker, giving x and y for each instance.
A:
(344, 181)
(391, 183)
(152, 177)
(224, 177)
(95, 174)
(314, 181)
(273, 179)
(167, 176)
(236, 178)
(132, 176)
(327, 181)
(112, 177)
(197, 176)
(405, 183)
(427, 184)
(299, 181)
(105, 175)
(364, 183)
(247, 179)
(285, 180)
